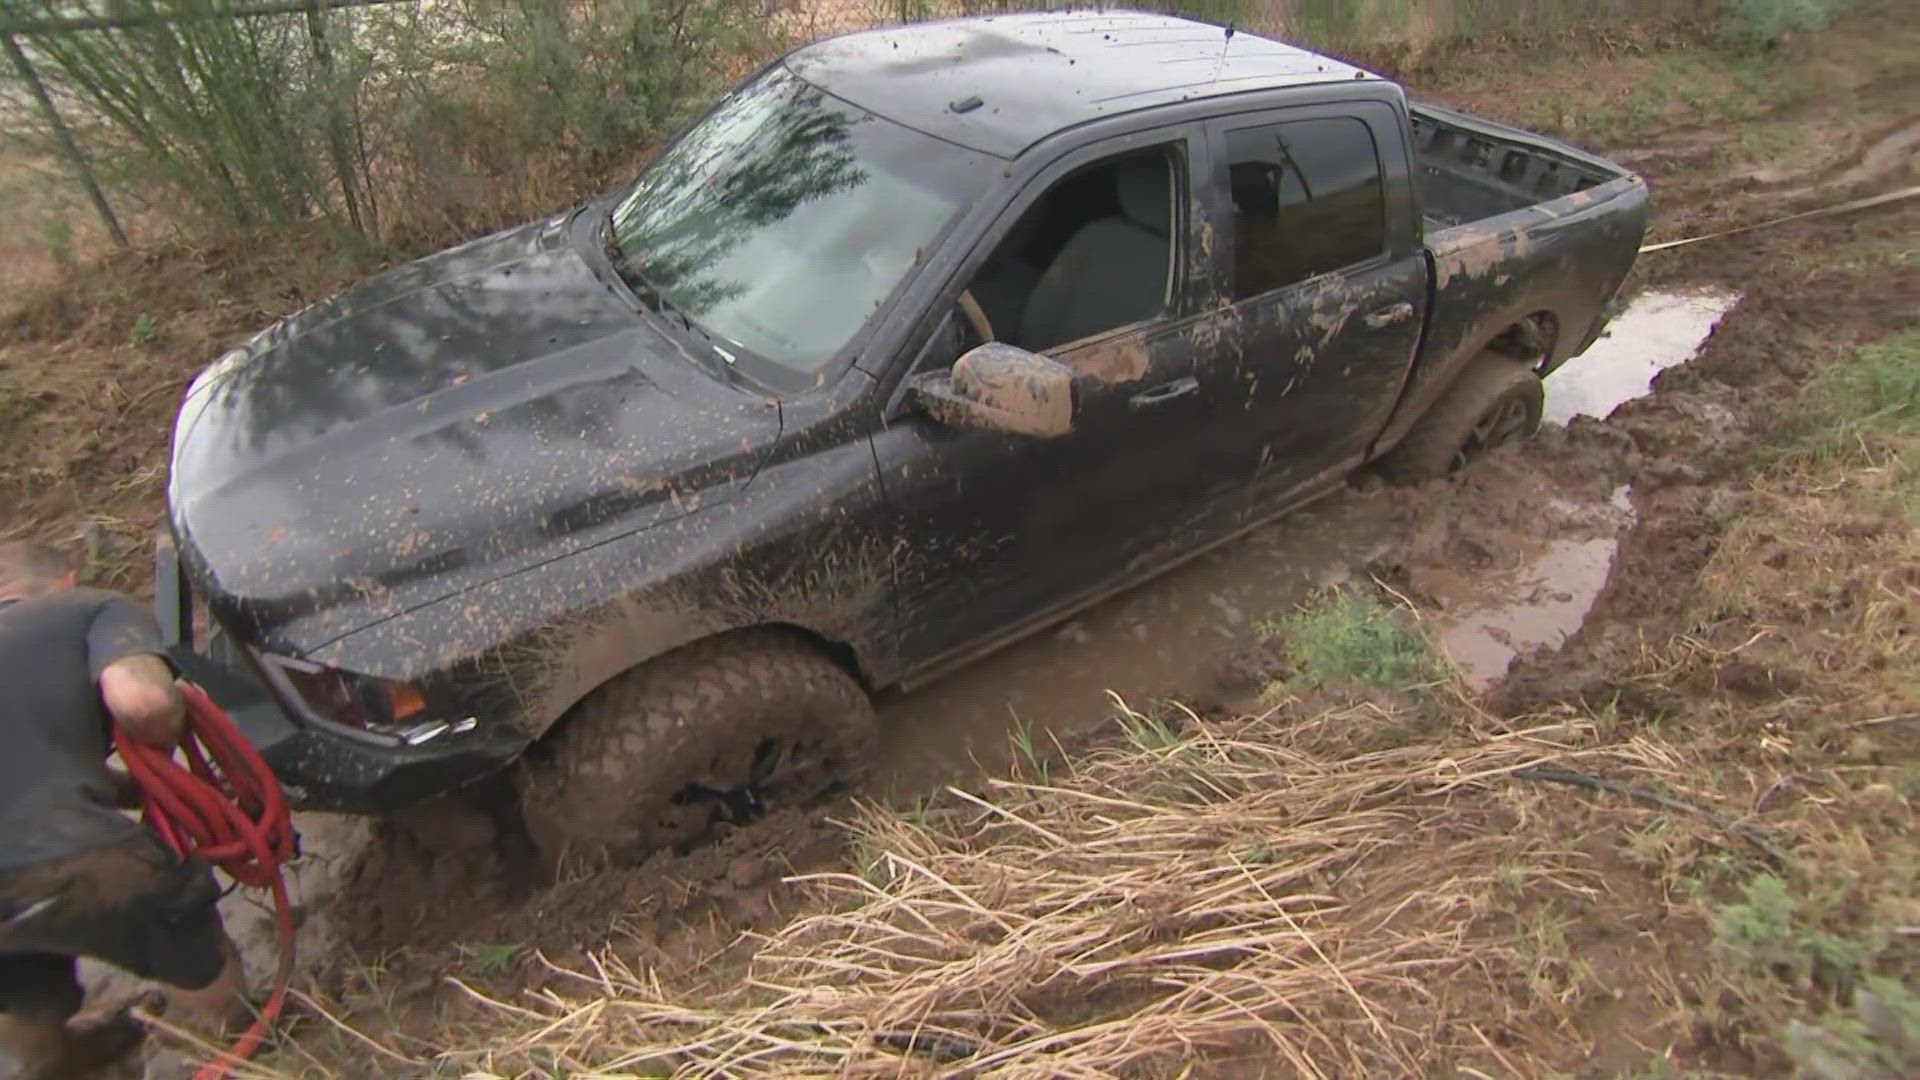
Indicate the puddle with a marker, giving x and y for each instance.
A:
(1538, 604)
(1551, 597)
(1656, 332)
(1162, 640)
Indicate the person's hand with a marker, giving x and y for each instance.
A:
(141, 694)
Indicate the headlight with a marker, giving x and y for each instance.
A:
(378, 706)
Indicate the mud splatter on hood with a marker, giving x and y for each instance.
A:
(456, 419)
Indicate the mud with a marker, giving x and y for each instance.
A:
(1164, 640)
(1895, 157)
(1486, 621)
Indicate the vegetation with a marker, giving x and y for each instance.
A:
(406, 124)
(383, 120)
(1815, 952)
(1345, 637)
(1756, 24)
(1866, 415)
(1162, 905)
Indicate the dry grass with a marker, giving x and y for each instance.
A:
(1250, 888)
(1800, 672)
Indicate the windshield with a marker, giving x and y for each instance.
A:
(784, 220)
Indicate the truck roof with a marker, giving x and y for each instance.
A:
(1036, 74)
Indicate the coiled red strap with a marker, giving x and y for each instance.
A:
(224, 806)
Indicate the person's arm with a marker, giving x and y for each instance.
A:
(136, 682)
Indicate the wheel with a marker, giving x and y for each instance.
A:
(709, 735)
(1497, 400)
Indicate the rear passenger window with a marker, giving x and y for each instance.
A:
(1308, 199)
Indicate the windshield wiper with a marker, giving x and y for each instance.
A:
(649, 294)
(653, 298)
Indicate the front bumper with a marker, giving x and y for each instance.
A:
(319, 768)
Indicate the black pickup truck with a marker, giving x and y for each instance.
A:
(918, 341)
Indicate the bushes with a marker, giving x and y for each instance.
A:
(1752, 24)
(450, 118)
(412, 122)
(211, 109)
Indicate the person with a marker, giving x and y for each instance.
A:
(79, 878)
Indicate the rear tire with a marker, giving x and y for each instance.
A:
(1497, 400)
(710, 735)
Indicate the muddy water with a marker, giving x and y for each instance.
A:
(1489, 618)
(1493, 617)
(1657, 331)
(1166, 639)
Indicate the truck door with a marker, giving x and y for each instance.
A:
(1090, 264)
(1327, 288)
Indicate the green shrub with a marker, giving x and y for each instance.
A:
(1771, 930)
(1865, 413)
(336, 116)
(1877, 1039)
(1754, 24)
(1352, 638)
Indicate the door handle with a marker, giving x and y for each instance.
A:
(1160, 395)
(1388, 316)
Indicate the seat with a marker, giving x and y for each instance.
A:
(1114, 270)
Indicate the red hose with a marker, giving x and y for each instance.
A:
(226, 807)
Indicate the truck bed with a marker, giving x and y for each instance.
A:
(1467, 172)
(1527, 239)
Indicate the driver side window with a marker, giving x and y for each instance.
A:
(1096, 252)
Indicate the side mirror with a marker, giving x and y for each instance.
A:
(1000, 387)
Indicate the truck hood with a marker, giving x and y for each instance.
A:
(449, 422)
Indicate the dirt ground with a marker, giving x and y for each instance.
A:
(1750, 647)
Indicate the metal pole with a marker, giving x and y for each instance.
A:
(69, 148)
(336, 120)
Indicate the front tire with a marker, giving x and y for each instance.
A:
(710, 735)
(1496, 401)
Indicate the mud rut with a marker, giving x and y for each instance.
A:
(1504, 562)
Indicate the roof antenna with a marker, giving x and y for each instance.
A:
(1222, 61)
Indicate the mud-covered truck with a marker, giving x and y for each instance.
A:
(919, 340)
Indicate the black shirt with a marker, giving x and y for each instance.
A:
(56, 798)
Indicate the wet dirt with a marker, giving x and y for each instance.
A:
(1484, 620)
(1896, 157)
(1489, 620)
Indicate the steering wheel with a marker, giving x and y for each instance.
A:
(976, 316)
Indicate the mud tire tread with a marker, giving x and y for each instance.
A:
(1427, 451)
(605, 788)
